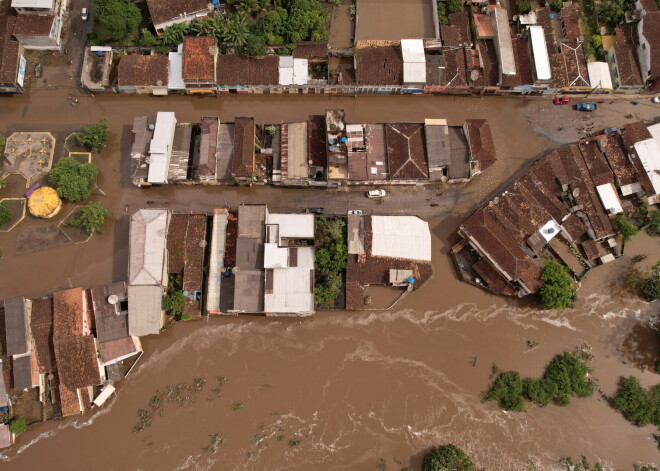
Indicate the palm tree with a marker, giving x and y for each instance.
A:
(174, 34)
(206, 27)
(236, 30)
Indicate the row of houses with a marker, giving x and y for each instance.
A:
(71, 347)
(260, 262)
(561, 208)
(322, 151)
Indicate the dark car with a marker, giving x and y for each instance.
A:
(313, 210)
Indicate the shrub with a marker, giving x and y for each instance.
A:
(18, 426)
(90, 218)
(507, 389)
(73, 180)
(454, 6)
(649, 286)
(653, 225)
(94, 136)
(117, 18)
(569, 373)
(557, 291)
(539, 391)
(5, 214)
(637, 405)
(447, 458)
(442, 13)
(624, 226)
(173, 303)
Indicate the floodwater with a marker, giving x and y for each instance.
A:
(342, 390)
(394, 19)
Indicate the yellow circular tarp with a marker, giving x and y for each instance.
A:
(44, 202)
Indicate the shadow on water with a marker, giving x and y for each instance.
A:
(641, 346)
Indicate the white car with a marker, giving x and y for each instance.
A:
(376, 193)
(655, 99)
(355, 211)
(84, 15)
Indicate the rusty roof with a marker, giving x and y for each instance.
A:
(455, 69)
(461, 20)
(484, 26)
(140, 70)
(621, 165)
(208, 146)
(67, 313)
(234, 69)
(243, 162)
(451, 35)
(649, 5)
(316, 140)
(406, 151)
(480, 139)
(199, 53)
(163, 10)
(635, 132)
(41, 324)
(33, 25)
(77, 363)
(311, 50)
(379, 65)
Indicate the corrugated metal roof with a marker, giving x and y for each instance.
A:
(16, 326)
(144, 310)
(160, 149)
(300, 71)
(148, 233)
(292, 291)
(503, 41)
(609, 198)
(406, 237)
(437, 145)
(599, 75)
(176, 70)
(649, 155)
(275, 256)
(216, 262)
(540, 53)
(414, 61)
(299, 226)
(22, 371)
(33, 3)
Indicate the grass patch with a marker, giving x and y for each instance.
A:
(235, 406)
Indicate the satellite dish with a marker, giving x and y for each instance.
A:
(202, 243)
(496, 200)
(234, 270)
(113, 299)
(576, 192)
(151, 127)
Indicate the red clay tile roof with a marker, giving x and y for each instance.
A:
(451, 36)
(9, 47)
(69, 402)
(596, 163)
(490, 69)
(649, 5)
(480, 139)
(199, 57)
(77, 363)
(41, 324)
(569, 67)
(651, 31)
(635, 132)
(379, 65)
(67, 313)
(455, 71)
(234, 69)
(207, 158)
(139, 70)
(405, 151)
(523, 65)
(243, 162)
(570, 20)
(163, 10)
(462, 21)
(311, 50)
(616, 156)
(33, 25)
(493, 278)
(626, 58)
(113, 349)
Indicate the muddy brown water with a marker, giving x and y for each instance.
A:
(394, 19)
(343, 390)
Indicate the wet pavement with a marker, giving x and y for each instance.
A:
(341, 390)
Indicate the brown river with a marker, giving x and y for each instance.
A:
(343, 390)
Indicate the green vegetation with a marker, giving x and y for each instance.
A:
(568, 464)
(174, 302)
(523, 6)
(447, 458)
(612, 12)
(74, 180)
(94, 136)
(557, 291)
(17, 426)
(3, 180)
(593, 47)
(646, 220)
(649, 284)
(90, 218)
(3, 140)
(625, 227)
(565, 376)
(442, 14)
(455, 6)
(330, 263)
(115, 19)
(639, 406)
(235, 32)
(5, 214)
(235, 406)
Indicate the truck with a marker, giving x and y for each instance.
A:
(585, 106)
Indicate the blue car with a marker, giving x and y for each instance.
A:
(585, 106)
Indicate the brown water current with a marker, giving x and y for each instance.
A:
(342, 390)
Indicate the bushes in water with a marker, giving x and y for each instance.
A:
(557, 291)
(447, 458)
(639, 406)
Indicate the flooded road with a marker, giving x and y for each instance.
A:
(340, 391)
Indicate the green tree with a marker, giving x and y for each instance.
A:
(206, 26)
(118, 18)
(507, 389)
(611, 12)
(174, 35)
(256, 45)
(637, 405)
(447, 458)
(624, 226)
(74, 180)
(524, 6)
(307, 21)
(649, 285)
(442, 14)
(328, 290)
(5, 214)
(173, 303)
(569, 373)
(147, 39)
(18, 426)
(557, 291)
(236, 31)
(540, 391)
(3, 140)
(90, 218)
(652, 226)
(455, 6)
(3, 182)
(94, 136)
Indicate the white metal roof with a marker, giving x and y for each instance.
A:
(285, 69)
(599, 75)
(176, 70)
(145, 310)
(540, 53)
(500, 20)
(401, 237)
(549, 230)
(104, 395)
(414, 61)
(654, 129)
(148, 234)
(276, 256)
(649, 155)
(217, 260)
(609, 198)
(32, 3)
(293, 225)
(300, 71)
(292, 291)
(160, 149)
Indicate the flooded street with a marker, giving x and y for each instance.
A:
(342, 390)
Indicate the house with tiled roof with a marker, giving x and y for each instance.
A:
(19, 344)
(199, 56)
(243, 161)
(622, 59)
(12, 61)
(143, 74)
(481, 145)
(39, 23)
(165, 13)
(648, 50)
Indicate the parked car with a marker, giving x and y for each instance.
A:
(355, 211)
(84, 14)
(655, 99)
(610, 130)
(376, 193)
(313, 210)
(585, 106)
(562, 100)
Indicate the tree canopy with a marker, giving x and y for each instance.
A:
(557, 291)
(90, 218)
(74, 180)
(117, 18)
(5, 214)
(625, 227)
(94, 136)
(18, 426)
(639, 406)
(447, 458)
